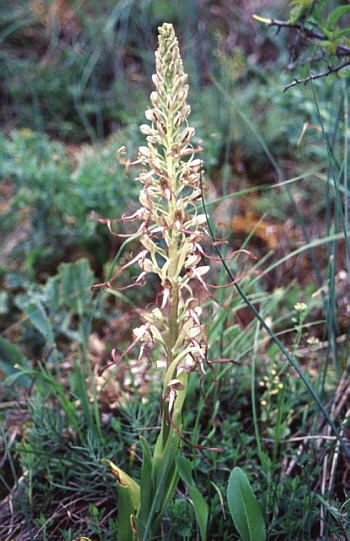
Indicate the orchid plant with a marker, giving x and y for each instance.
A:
(172, 234)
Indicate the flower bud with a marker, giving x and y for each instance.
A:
(148, 243)
(144, 151)
(182, 95)
(178, 120)
(151, 115)
(148, 266)
(153, 139)
(171, 67)
(154, 98)
(185, 111)
(170, 102)
(175, 149)
(187, 135)
(161, 127)
(146, 130)
(154, 317)
(202, 270)
(192, 261)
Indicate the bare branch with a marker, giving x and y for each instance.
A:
(309, 33)
(316, 76)
(293, 50)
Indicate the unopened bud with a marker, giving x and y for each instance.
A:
(147, 266)
(178, 120)
(185, 111)
(153, 139)
(187, 135)
(192, 261)
(171, 66)
(146, 130)
(148, 243)
(183, 93)
(154, 98)
(151, 115)
(170, 102)
(175, 149)
(154, 317)
(161, 129)
(145, 151)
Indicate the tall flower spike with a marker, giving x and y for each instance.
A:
(171, 231)
(170, 189)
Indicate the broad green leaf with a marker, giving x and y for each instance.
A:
(184, 467)
(126, 481)
(244, 508)
(128, 502)
(11, 356)
(52, 294)
(125, 514)
(35, 312)
(335, 15)
(76, 279)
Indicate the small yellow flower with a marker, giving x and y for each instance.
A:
(313, 341)
(25, 133)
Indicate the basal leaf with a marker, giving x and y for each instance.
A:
(126, 481)
(35, 312)
(52, 294)
(244, 508)
(11, 356)
(184, 468)
(76, 279)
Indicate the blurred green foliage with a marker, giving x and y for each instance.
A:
(53, 194)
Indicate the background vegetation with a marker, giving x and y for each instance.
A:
(75, 79)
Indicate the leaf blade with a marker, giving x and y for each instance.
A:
(10, 357)
(244, 508)
(335, 15)
(184, 468)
